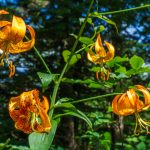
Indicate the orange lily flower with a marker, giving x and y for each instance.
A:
(100, 56)
(129, 103)
(11, 38)
(29, 113)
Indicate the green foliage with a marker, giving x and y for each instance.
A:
(54, 21)
(74, 58)
(72, 111)
(109, 21)
(46, 79)
(136, 62)
(84, 40)
(39, 141)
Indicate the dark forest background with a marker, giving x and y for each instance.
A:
(54, 21)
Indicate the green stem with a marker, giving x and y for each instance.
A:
(41, 58)
(56, 87)
(94, 98)
(81, 49)
(124, 10)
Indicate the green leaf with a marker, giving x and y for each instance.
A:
(79, 114)
(141, 146)
(98, 15)
(121, 70)
(65, 105)
(131, 72)
(99, 29)
(67, 80)
(144, 69)
(89, 20)
(84, 39)
(117, 60)
(136, 62)
(95, 69)
(74, 58)
(46, 79)
(73, 111)
(42, 141)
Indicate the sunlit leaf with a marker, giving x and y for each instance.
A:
(99, 29)
(95, 69)
(74, 58)
(136, 62)
(117, 60)
(65, 105)
(121, 70)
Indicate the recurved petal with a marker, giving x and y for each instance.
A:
(111, 52)
(4, 33)
(23, 46)
(115, 104)
(99, 49)
(14, 103)
(4, 23)
(3, 12)
(45, 104)
(18, 30)
(125, 107)
(146, 94)
(95, 58)
(91, 55)
(134, 100)
(45, 121)
(122, 106)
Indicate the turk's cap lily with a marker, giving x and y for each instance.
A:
(130, 103)
(30, 113)
(100, 55)
(12, 35)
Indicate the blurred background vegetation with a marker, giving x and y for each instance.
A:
(54, 21)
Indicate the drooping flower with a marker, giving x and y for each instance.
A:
(12, 35)
(130, 103)
(101, 56)
(30, 113)
(103, 74)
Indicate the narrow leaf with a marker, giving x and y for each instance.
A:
(79, 114)
(73, 111)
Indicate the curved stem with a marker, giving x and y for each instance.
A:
(41, 58)
(93, 98)
(56, 87)
(124, 10)
(81, 49)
